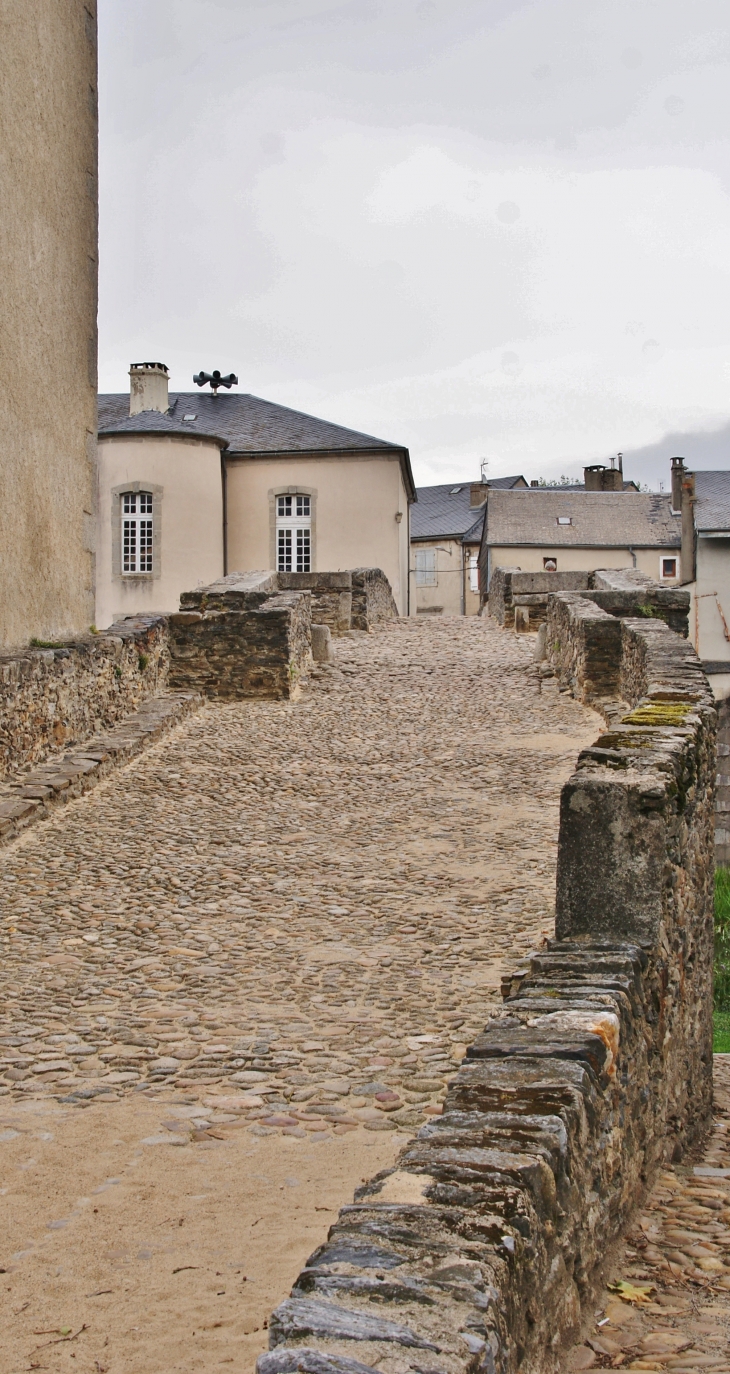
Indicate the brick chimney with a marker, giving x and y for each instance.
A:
(148, 383)
(598, 477)
(689, 540)
(478, 493)
(677, 476)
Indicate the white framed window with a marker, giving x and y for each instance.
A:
(426, 574)
(294, 533)
(473, 573)
(137, 533)
(668, 568)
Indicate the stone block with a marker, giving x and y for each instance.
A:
(322, 644)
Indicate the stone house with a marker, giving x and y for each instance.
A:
(446, 531)
(549, 529)
(196, 484)
(704, 501)
(48, 289)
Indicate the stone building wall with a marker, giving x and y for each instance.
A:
(53, 697)
(476, 1253)
(48, 289)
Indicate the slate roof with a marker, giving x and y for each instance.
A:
(154, 422)
(712, 506)
(444, 512)
(609, 519)
(244, 424)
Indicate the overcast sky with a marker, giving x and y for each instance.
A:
(484, 229)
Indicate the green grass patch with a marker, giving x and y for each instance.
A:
(721, 1032)
(721, 982)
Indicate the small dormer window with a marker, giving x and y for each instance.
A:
(564, 520)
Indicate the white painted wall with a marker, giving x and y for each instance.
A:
(711, 587)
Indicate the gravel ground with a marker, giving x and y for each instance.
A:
(305, 905)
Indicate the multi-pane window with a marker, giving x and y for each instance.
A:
(137, 532)
(426, 575)
(293, 534)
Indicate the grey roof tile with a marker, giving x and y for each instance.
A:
(248, 423)
(444, 511)
(712, 506)
(607, 519)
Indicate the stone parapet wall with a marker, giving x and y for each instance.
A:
(499, 599)
(476, 1253)
(261, 650)
(629, 592)
(331, 597)
(32, 794)
(512, 589)
(56, 696)
(583, 646)
(722, 806)
(372, 598)
(520, 600)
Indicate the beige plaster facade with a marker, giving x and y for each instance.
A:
(531, 559)
(356, 500)
(184, 477)
(709, 620)
(455, 590)
(48, 292)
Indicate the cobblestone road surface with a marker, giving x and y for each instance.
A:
(304, 905)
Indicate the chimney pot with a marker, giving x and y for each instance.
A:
(148, 387)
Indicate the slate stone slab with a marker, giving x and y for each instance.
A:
(301, 1317)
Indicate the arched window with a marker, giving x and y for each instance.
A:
(293, 534)
(137, 532)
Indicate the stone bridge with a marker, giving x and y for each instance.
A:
(237, 977)
(306, 908)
